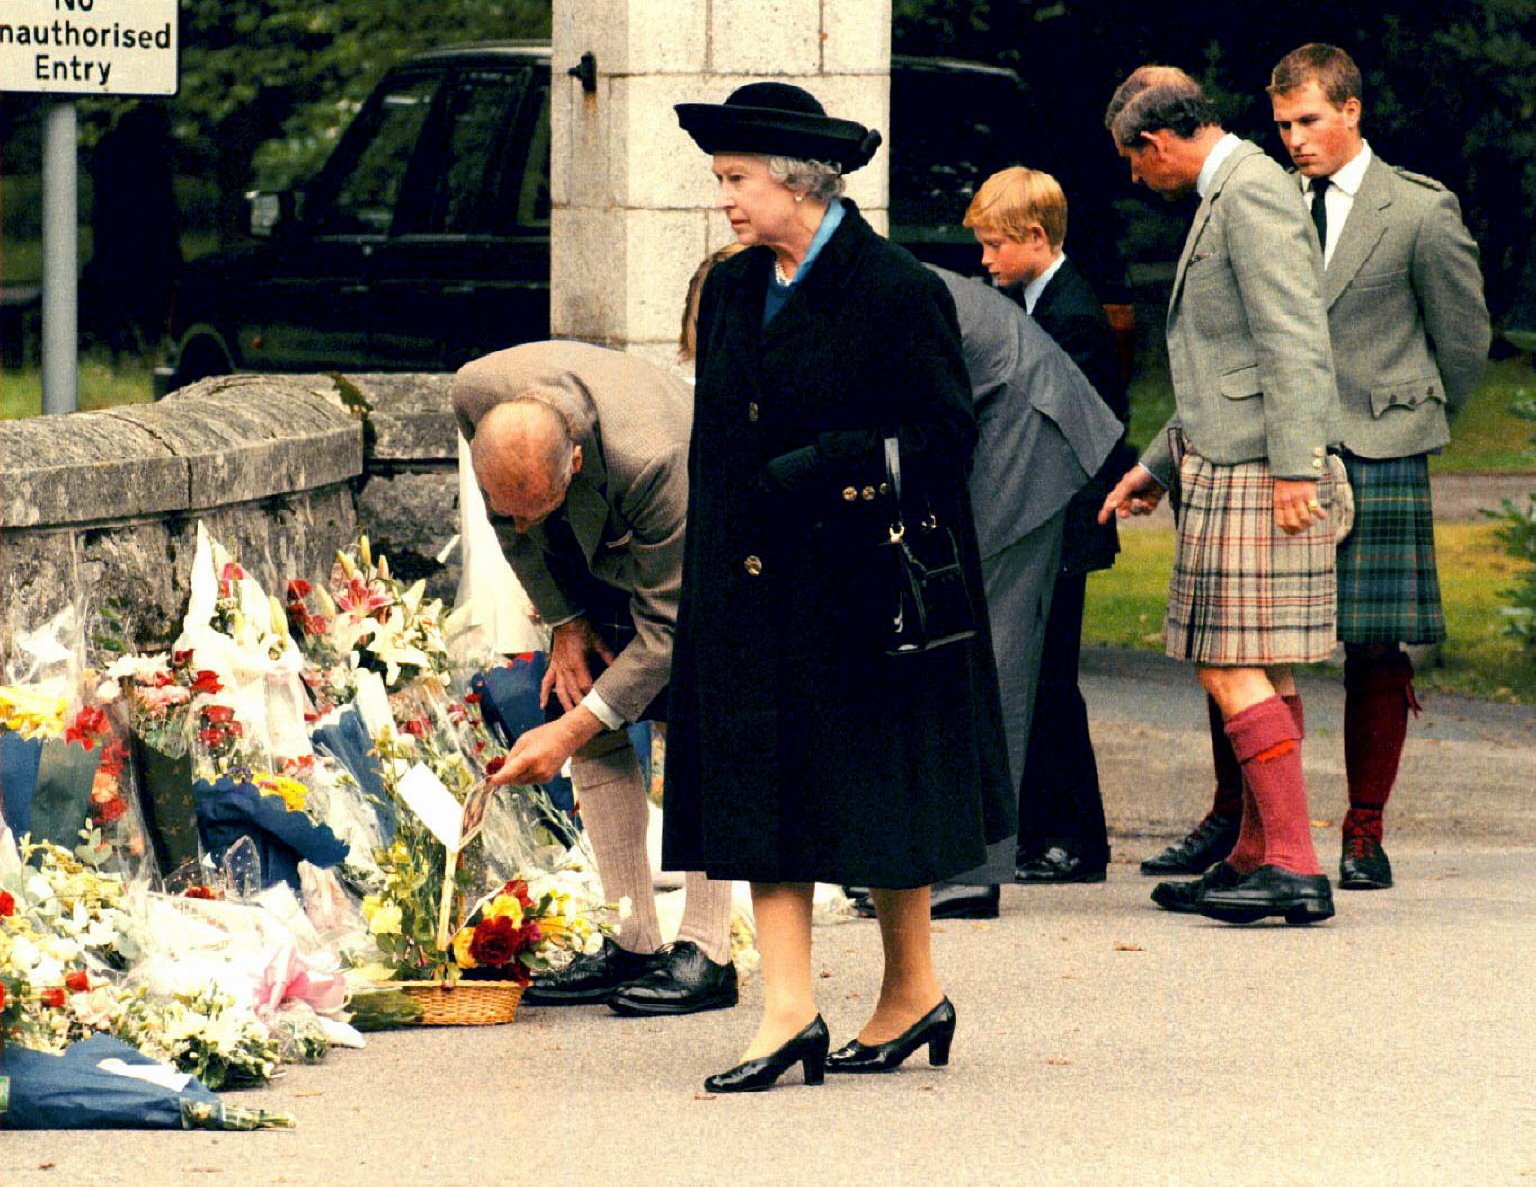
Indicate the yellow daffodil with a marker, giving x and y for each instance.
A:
(31, 712)
(293, 793)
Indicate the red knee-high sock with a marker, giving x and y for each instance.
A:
(1229, 774)
(1378, 692)
(1268, 744)
(1248, 854)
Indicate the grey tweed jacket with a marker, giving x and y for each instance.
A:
(1405, 309)
(1247, 332)
(626, 506)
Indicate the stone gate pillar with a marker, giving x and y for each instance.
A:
(632, 196)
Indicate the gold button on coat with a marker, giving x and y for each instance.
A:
(849, 494)
(753, 565)
(869, 493)
(752, 413)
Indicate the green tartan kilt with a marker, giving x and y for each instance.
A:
(1389, 588)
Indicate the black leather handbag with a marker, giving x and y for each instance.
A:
(929, 600)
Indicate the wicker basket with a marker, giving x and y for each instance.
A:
(467, 1003)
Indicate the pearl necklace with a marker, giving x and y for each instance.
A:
(778, 273)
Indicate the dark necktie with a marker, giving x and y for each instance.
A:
(1320, 210)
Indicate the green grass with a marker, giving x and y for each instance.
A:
(1486, 437)
(1125, 609)
(102, 385)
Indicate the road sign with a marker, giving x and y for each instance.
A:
(89, 47)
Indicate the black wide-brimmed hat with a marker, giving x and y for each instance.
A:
(776, 119)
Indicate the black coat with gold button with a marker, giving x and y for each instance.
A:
(798, 750)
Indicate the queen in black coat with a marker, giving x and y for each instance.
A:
(798, 750)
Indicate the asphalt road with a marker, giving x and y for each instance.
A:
(1101, 1041)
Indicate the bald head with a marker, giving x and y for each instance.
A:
(524, 460)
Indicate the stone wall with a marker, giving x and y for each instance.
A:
(633, 199)
(102, 507)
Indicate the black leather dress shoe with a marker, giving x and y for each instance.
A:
(1210, 841)
(589, 979)
(808, 1048)
(952, 901)
(684, 981)
(1364, 865)
(1059, 864)
(1269, 890)
(1184, 897)
(935, 1030)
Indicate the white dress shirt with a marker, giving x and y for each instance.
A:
(1035, 287)
(1340, 196)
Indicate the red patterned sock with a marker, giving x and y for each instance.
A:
(1268, 744)
(1378, 693)
(1248, 854)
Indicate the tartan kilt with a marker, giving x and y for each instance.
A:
(1243, 593)
(1389, 587)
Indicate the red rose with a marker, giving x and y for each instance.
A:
(77, 982)
(113, 809)
(87, 724)
(207, 682)
(471, 698)
(218, 714)
(496, 942)
(2, 995)
(495, 764)
(211, 738)
(202, 892)
(52, 997)
(298, 588)
(181, 659)
(417, 728)
(518, 889)
(7, 903)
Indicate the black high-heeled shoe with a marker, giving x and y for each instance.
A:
(809, 1047)
(935, 1029)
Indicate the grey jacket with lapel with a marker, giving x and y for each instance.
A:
(1042, 429)
(626, 506)
(1247, 332)
(1405, 312)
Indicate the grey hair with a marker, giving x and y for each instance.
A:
(569, 410)
(818, 180)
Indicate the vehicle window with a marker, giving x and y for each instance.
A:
(952, 132)
(533, 197)
(365, 195)
(475, 113)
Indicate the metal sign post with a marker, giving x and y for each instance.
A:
(78, 47)
(61, 388)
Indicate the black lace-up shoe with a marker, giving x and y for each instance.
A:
(1208, 842)
(684, 981)
(589, 980)
(1184, 897)
(1364, 865)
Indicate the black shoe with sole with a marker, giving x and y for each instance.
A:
(952, 901)
(1184, 897)
(683, 981)
(1208, 842)
(1059, 864)
(1364, 865)
(935, 1030)
(589, 980)
(1270, 890)
(808, 1048)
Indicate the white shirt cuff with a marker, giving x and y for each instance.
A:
(601, 710)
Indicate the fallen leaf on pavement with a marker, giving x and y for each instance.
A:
(1119, 947)
(703, 1096)
(1059, 1062)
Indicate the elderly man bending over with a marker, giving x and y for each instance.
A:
(583, 457)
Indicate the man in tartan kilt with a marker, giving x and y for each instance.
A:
(1410, 335)
(1253, 586)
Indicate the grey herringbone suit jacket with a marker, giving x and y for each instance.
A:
(1406, 314)
(626, 506)
(1247, 333)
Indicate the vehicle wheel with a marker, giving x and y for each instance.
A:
(200, 359)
